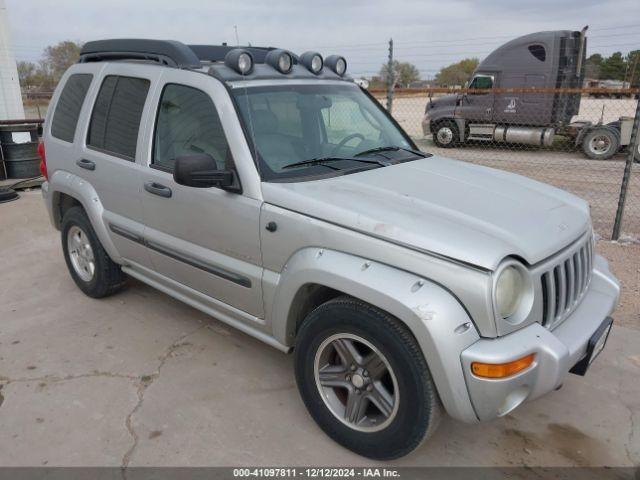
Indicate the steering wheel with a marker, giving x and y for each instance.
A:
(345, 140)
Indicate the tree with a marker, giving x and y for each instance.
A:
(456, 73)
(613, 67)
(404, 73)
(592, 66)
(633, 61)
(57, 58)
(26, 73)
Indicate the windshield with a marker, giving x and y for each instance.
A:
(289, 124)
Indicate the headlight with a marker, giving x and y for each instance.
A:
(239, 60)
(508, 291)
(312, 61)
(513, 292)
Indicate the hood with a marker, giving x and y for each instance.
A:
(470, 213)
(444, 101)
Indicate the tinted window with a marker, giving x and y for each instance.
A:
(481, 82)
(115, 120)
(188, 123)
(65, 117)
(538, 51)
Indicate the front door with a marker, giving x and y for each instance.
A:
(477, 104)
(206, 239)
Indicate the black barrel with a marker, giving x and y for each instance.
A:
(21, 160)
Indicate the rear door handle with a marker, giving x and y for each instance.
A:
(157, 189)
(86, 164)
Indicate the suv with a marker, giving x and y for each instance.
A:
(271, 192)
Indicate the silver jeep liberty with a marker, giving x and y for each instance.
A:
(271, 192)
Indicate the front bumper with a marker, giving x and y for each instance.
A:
(557, 351)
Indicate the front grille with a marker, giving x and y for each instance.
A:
(564, 284)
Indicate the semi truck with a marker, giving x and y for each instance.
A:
(527, 92)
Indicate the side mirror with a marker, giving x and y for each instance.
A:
(201, 171)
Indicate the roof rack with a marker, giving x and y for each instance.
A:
(216, 53)
(167, 52)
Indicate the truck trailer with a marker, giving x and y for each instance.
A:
(527, 92)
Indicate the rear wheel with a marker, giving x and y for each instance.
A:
(600, 143)
(89, 264)
(446, 134)
(364, 379)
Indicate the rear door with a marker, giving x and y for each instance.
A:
(108, 158)
(204, 238)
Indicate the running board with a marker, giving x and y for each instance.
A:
(212, 307)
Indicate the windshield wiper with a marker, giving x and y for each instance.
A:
(325, 160)
(392, 149)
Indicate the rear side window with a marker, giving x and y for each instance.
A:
(115, 120)
(65, 117)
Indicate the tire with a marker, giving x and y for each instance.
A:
(406, 387)
(446, 134)
(600, 143)
(89, 264)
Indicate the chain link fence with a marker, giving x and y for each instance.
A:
(578, 140)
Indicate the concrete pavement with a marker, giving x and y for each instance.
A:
(141, 379)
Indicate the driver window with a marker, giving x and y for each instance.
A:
(344, 117)
(188, 123)
(481, 82)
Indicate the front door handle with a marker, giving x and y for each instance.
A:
(157, 189)
(86, 164)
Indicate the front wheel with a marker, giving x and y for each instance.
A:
(364, 380)
(446, 134)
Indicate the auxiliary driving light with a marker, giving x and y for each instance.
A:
(239, 60)
(312, 61)
(281, 60)
(337, 64)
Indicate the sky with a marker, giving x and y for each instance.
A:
(430, 34)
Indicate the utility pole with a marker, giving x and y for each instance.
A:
(11, 107)
(390, 77)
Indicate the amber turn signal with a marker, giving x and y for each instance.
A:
(502, 370)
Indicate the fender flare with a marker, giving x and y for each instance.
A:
(436, 318)
(65, 182)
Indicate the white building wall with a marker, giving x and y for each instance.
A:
(10, 98)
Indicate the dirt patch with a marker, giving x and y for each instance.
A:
(576, 446)
(624, 262)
